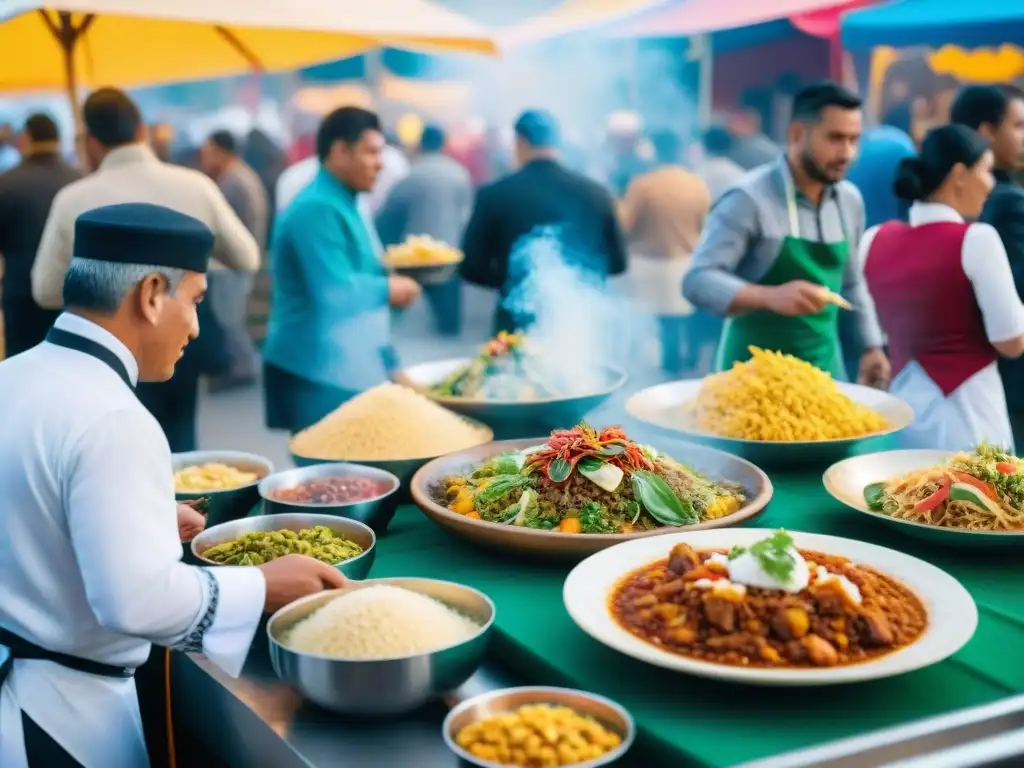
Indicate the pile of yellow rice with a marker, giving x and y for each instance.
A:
(778, 397)
(388, 422)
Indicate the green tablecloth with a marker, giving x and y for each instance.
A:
(689, 721)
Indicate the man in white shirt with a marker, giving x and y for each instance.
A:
(127, 171)
(90, 571)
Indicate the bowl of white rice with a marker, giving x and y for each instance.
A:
(381, 647)
(390, 427)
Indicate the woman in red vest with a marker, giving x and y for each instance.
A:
(945, 295)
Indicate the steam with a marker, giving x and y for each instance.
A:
(576, 323)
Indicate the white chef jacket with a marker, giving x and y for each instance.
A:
(976, 411)
(90, 556)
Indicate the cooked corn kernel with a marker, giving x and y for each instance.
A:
(538, 735)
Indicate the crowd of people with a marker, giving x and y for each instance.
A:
(751, 231)
(103, 299)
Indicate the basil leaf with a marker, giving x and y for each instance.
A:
(660, 500)
(614, 449)
(589, 464)
(873, 496)
(559, 470)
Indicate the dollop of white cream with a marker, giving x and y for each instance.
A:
(746, 569)
(718, 557)
(852, 591)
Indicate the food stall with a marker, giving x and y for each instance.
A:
(680, 719)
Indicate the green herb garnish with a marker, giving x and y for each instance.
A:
(660, 500)
(589, 464)
(736, 552)
(499, 486)
(593, 519)
(775, 554)
(506, 464)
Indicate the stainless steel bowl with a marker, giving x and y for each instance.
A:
(382, 687)
(375, 512)
(232, 503)
(361, 534)
(611, 715)
(511, 419)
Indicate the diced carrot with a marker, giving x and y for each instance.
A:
(474, 515)
(987, 488)
(570, 525)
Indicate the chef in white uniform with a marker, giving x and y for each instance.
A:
(90, 571)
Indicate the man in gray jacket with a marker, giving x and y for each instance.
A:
(434, 199)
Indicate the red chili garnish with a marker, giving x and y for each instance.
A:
(581, 441)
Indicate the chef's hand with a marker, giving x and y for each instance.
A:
(402, 291)
(190, 523)
(875, 370)
(294, 576)
(797, 297)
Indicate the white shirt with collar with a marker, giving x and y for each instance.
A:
(133, 174)
(90, 561)
(977, 410)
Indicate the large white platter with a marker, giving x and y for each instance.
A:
(952, 615)
(671, 408)
(846, 481)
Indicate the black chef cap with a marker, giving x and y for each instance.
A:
(142, 233)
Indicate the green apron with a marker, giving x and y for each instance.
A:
(812, 338)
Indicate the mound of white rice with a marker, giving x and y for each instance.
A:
(379, 622)
(388, 422)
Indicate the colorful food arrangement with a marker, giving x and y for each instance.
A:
(585, 481)
(980, 490)
(379, 622)
(388, 422)
(505, 369)
(769, 605)
(331, 490)
(538, 735)
(261, 547)
(421, 251)
(777, 397)
(213, 476)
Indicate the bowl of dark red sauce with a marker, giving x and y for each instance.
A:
(346, 490)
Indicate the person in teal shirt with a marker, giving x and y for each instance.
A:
(328, 333)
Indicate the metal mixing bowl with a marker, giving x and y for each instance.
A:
(382, 687)
(611, 715)
(375, 512)
(361, 534)
(232, 503)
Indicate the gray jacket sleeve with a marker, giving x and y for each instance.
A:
(855, 287)
(711, 282)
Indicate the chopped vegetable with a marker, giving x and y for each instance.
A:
(986, 488)
(929, 503)
(972, 495)
(873, 495)
(776, 554)
(570, 525)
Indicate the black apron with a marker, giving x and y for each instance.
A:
(43, 751)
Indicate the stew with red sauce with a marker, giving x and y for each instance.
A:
(820, 626)
(332, 490)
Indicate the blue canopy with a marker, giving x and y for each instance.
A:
(934, 23)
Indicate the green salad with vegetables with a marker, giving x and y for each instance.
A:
(585, 481)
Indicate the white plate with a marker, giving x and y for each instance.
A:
(671, 408)
(952, 615)
(846, 481)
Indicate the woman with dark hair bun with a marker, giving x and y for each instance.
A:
(945, 295)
